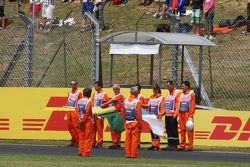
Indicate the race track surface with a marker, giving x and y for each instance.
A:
(143, 153)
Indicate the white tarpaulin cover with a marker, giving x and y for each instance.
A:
(120, 49)
(156, 125)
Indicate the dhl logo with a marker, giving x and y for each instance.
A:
(57, 120)
(225, 127)
(4, 124)
(33, 124)
(234, 124)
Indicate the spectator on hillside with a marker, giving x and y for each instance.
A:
(2, 13)
(161, 9)
(146, 3)
(65, 1)
(37, 10)
(47, 12)
(99, 9)
(197, 7)
(87, 5)
(70, 1)
(209, 7)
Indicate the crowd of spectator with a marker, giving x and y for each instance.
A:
(201, 10)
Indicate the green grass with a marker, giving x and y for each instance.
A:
(63, 143)
(54, 161)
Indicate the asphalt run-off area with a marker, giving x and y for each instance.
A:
(143, 153)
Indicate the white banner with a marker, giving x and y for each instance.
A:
(119, 49)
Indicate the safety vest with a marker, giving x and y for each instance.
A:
(82, 106)
(72, 99)
(169, 104)
(98, 98)
(130, 109)
(114, 97)
(154, 104)
(185, 100)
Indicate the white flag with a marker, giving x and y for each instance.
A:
(155, 124)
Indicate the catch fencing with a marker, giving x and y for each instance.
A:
(226, 67)
(46, 56)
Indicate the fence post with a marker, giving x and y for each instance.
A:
(174, 51)
(98, 65)
(200, 74)
(29, 50)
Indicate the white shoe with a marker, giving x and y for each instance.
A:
(156, 15)
(163, 17)
(210, 37)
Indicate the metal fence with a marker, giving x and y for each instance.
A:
(226, 67)
(46, 57)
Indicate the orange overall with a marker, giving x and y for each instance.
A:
(98, 99)
(186, 110)
(72, 116)
(172, 101)
(133, 123)
(118, 104)
(86, 126)
(142, 100)
(156, 107)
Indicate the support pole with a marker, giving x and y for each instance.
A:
(210, 71)
(110, 70)
(137, 69)
(33, 13)
(159, 65)
(200, 73)
(182, 63)
(29, 51)
(174, 52)
(65, 61)
(98, 65)
(151, 69)
(174, 56)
